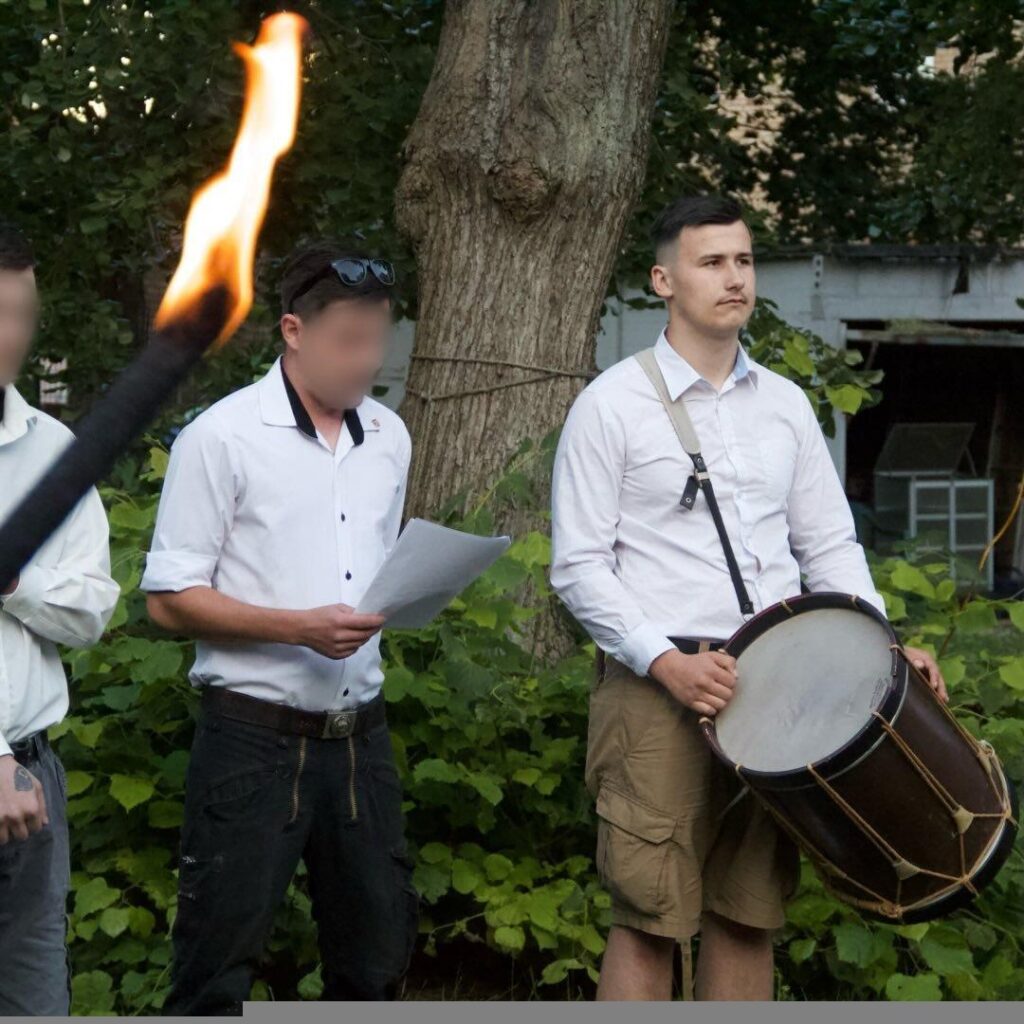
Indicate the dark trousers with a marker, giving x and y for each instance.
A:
(35, 977)
(256, 801)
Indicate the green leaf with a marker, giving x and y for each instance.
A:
(78, 782)
(858, 945)
(979, 935)
(510, 937)
(798, 360)
(432, 880)
(311, 985)
(166, 813)
(1012, 673)
(130, 791)
(917, 988)
(141, 921)
(953, 670)
(908, 577)
(465, 876)
(93, 896)
(946, 959)
(482, 615)
(557, 970)
(527, 776)
(436, 853)
(895, 606)
(114, 920)
(436, 770)
(847, 397)
(1016, 612)
(977, 616)
(485, 786)
(92, 993)
(801, 949)
(92, 225)
(163, 660)
(497, 866)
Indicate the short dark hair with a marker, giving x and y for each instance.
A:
(15, 252)
(692, 212)
(311, 257)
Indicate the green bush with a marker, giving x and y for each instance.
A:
(491, 747)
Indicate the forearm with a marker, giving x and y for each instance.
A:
(206, 614)
(601, 604)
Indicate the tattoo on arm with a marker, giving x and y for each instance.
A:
(23, 779)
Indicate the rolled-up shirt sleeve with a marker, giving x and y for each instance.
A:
(586, 483)
(195, 513)
(70, 601)
(822, 534)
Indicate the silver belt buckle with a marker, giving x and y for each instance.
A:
(339, 724)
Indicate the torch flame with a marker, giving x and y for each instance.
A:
(227, 212)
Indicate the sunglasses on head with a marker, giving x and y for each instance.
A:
(348, 271)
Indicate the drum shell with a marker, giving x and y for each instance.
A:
(905, 805)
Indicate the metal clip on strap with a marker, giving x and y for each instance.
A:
(700, 479)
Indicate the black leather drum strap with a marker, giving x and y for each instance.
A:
(701, 479)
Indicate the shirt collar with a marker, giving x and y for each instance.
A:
(680, 375)
(280, 405)
(15, 415)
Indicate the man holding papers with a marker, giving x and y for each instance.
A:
(281, 503)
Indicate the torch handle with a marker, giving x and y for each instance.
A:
(122, 412)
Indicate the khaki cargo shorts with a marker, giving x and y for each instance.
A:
(665, 850)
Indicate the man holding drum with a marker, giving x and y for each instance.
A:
(647, 576)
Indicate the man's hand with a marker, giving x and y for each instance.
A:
(11, 587)
(930, 670)
(336, 631)
(22, 804)
(702, 682)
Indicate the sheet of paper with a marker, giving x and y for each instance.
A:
(427, 567)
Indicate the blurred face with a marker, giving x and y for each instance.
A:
(339, 350)
(707, 278)
(19, 311)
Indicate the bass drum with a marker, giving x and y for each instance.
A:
(904, 813)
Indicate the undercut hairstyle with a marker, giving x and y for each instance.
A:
(691, 212)
(15, 252)
(309, 259)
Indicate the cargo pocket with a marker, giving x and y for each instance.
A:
(633, 845)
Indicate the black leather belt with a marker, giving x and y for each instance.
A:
(329, 725)
(30, 748)
(692, 645)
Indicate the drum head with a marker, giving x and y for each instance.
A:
(805, 687)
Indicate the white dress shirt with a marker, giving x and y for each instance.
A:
(257, 506)
(65, 594)
(633, 566)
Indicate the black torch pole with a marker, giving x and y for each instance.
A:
(108, 428)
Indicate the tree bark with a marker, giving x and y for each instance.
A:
(521, 169)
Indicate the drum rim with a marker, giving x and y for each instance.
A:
(844, 756)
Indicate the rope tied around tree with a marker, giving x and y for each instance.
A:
(546, 373)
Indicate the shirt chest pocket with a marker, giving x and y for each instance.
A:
(772, 460)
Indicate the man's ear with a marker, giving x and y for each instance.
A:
(661, 282)
(291, 329)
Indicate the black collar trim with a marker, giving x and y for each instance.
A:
(355, 427)
(3, 395)
(305, 422)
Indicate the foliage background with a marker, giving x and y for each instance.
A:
(112, 113)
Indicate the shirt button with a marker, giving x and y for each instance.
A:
(348, 575)
(343, 517)
(345, 694)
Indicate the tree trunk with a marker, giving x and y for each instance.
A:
(521, 169)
